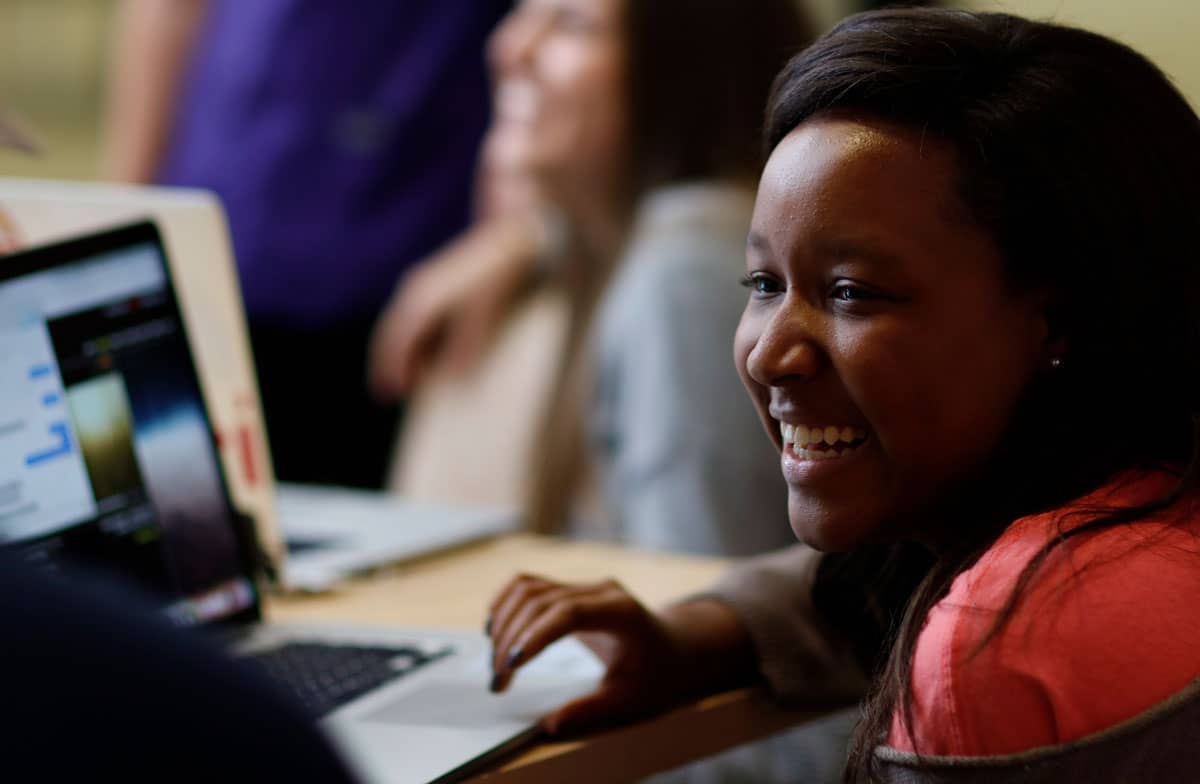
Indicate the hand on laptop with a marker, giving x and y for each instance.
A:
(446, 309)
(654, 661)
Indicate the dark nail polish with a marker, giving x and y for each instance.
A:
(495, 684)
(514, 658)
(487, 626)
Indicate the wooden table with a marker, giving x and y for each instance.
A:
(451, 590)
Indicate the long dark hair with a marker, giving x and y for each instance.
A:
(1082, 162)
(698, 73)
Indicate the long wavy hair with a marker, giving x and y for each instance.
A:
(1082, 162)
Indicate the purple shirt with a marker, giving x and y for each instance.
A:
(341, 137)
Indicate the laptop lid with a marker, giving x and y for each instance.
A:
(107, 454)
(195, 235)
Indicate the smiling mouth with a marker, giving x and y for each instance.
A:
(817, 442)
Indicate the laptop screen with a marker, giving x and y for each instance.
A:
(107, 457)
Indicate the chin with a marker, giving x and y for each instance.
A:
(826, 532)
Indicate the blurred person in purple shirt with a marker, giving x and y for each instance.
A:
(342, 139)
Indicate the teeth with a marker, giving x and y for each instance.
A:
(801, 436)
(824, 454)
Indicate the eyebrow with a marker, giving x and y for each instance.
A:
(838, 249)
(845, 248)
(757, 242)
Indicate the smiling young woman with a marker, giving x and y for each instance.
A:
(973, 335)
(872, 308)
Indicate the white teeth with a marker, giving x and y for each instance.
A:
(824, 454)
(801, 436)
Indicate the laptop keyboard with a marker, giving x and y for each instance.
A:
(324, 677)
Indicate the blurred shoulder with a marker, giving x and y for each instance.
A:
(697, 225)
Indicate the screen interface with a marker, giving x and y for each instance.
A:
(106, 454)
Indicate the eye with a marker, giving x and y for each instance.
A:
(761, 284)
(848, 292)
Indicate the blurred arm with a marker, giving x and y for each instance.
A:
(152, 42)
(799, 654)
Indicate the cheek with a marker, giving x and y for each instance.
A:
(939, 401)
(583, 87)
(744, 341)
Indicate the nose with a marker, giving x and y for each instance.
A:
(787, 349)
(515, 40)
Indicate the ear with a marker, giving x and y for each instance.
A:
(1051, 341)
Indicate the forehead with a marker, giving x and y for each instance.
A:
(868, 180)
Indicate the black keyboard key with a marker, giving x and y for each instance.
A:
(324, 676)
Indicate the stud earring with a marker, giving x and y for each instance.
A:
(1056, 363)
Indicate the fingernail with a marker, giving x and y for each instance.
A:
(495, 684)
(514, 657)
(487, 626)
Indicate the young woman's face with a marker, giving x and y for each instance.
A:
(878, 319)
(559, 73)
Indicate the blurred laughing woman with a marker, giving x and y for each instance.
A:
(634, 127)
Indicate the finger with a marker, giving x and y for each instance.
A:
(501, 597)
(509, 651)
(415, 365)
(468, 336)
(9, 238)
(508, 628)
(598, 610)
(385, 346)
(379, 372)
(510, 599)
(409, 339)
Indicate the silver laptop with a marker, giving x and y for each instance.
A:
(108, 460)
(333, 533)
(195, 235)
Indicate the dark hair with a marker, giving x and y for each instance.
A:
(1082, 162)
(699, 72)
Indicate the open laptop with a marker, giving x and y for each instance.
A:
(314, 537)
(333, 533)
(107, 460)
(195, 235)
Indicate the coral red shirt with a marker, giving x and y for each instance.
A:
(1108, 626)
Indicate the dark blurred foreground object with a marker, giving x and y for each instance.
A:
(95, 683)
